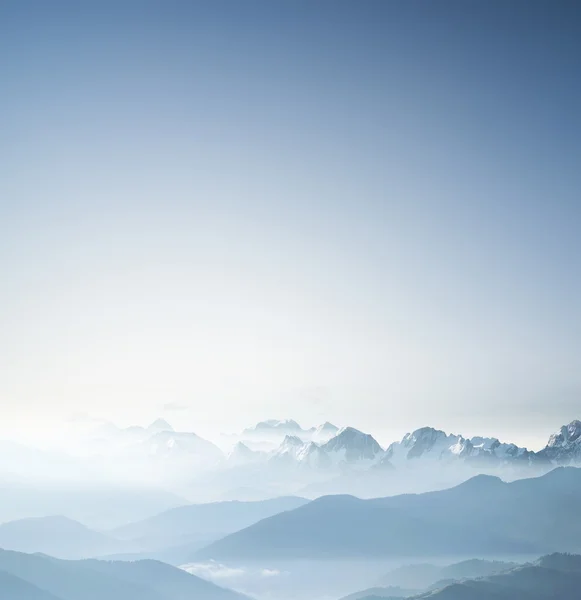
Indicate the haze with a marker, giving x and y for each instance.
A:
(363, 212)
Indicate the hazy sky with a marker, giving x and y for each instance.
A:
(364, 211)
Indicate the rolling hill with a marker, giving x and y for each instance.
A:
(420, 576)
(211, 519)
(553, 576)
(482, 516)
(529, 582)
(45, 578)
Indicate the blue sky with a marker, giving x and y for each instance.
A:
(367, 212)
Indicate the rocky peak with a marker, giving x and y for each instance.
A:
(354, 443)
(568, 434)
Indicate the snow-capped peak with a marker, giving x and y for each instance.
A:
(565, 445)
(566, 435)
(434, 444)
(353, 445)
(425, 442)
(290, 447)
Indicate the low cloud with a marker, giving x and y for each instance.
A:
(270, 572)
(213, 570)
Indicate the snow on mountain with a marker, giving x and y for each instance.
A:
(428, 443)
(351, 446)
(564, 447)
(283, 455)
(423, 447)
(492, 447)
(289, 449)
(313, 456)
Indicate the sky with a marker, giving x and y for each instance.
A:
(367, 212)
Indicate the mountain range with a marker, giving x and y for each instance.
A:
(353, 462)
(552, 576)
(327, 446)
(412, 580)
(175, 535)
(424, 575)
(482, 516)
(425, 445)
(172, 536)
(271, 459)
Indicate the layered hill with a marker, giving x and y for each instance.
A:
(536, 581)
(40, 577)
(176, 534)
(481, 516)
(58, 536)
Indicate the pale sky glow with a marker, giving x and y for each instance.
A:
(364, 214)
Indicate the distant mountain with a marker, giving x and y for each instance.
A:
(241, 454)
(289, 450)
(96, 580)
(274, 431)
(429, 444)
(324, 432)
(445, 458)
(299, 461)
(420, 576)
(351, 445)
(279, 458)
(553, 576)
(98, 506)
(142, 446)
(282, 458)
(564, 447)
(526, 516)
(326, 446)
(57, 536)
(273, 426)
(164, 444)
(133, 433)
(528, 582)
(179, 530)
